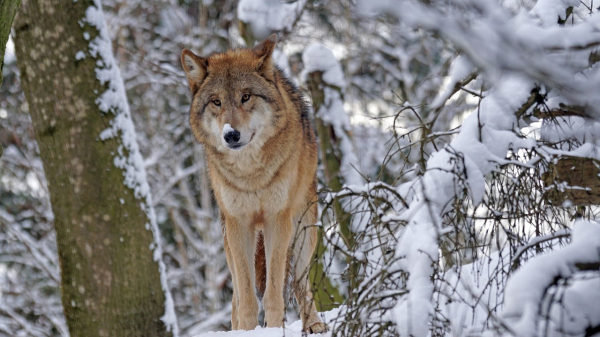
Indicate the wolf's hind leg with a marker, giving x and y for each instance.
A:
(240, 240)
(305, 241)
(260, 266)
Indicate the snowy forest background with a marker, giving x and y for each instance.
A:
(465, 135)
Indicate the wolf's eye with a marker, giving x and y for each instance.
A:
(217, 102)
(245, 98)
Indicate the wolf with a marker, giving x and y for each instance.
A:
(261, 155)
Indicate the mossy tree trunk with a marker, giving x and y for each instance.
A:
(330, 155)
(110, 281)
(331, 160)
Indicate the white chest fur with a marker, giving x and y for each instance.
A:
(249, 186)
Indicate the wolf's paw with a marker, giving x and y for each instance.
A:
(318, 327)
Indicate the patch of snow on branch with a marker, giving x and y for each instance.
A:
(128, 158)
(267, 16)
(317, 57)
(459, 70)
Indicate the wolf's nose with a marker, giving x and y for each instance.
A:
(232, 137)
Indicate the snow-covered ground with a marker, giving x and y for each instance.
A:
(292, 330)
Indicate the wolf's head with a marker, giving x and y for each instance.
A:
(235, 99)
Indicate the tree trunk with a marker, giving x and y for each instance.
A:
(331, 160)
(572, 180)
(111, 284)
(330, 154)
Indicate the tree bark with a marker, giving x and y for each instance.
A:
(110, 282)
(573, 180)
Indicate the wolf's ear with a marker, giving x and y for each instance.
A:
(263, 51)
(265, 48)
(195, 68)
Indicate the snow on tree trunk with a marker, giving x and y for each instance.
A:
(114, 281)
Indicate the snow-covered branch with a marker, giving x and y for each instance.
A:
(527, 289)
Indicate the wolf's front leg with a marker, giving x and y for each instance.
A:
(277, 235)
(234, 298)
(240, 240)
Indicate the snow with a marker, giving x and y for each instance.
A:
(495, 40)
(548, 10)
(292, 330)
(80, 55)
(268, 16)
(317, 57)
(471, 290)
(578, 310)
(9, 53)
(525, 290)
(418, 246)
(538, 239)
(227, 128)
(459, 70)
(282, 62)
(128, 158)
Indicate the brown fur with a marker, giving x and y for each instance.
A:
(266, 190)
